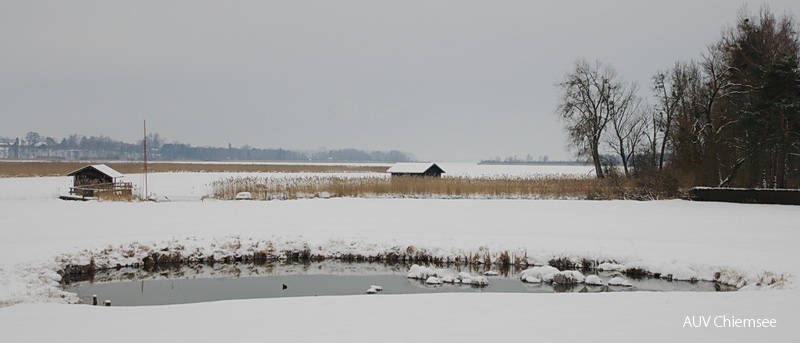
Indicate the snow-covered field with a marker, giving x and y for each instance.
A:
(748, 243)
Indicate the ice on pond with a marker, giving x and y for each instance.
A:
(201, 282)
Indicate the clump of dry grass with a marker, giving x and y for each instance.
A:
(34, 168)
(116, 196)
(506, 187)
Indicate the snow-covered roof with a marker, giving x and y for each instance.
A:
(412, 168)
(101, 168)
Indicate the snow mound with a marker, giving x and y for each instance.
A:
(678, 272)
(491, 273)
(243, 196)
(610, 267)
(374, 289)
(479, 281)
(543, 273)
(531, 279)
(446, 276)
(618, 281)
(568, 277)
(420, 272)
(433, 280)
(448, 279)
(439, 276)
(593, 280)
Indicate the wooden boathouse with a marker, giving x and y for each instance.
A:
(416, 169)
(95, 181)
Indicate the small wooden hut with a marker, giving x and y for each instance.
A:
(416, 169)
(96, 180)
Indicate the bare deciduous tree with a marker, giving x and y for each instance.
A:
(627, 125)
(592, 95)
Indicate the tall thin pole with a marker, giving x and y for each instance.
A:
(145, 160)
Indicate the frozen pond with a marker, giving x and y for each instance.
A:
(201, 283)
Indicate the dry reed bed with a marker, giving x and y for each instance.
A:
(34, 168)
(505, 187)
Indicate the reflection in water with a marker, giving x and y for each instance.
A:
(176, 284)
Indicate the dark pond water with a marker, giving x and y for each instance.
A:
(200, 283)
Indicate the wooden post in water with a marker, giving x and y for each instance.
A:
(108, 302)
(94, 299)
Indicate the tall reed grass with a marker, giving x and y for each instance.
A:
(506, 187)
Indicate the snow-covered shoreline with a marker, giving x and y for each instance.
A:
(42, 234)
(379, 227)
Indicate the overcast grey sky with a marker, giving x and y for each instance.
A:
(445, 80)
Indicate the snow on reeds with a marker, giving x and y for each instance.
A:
(460, 187)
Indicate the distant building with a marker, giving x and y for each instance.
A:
(9, 150)
(5, 150)
(416, 169)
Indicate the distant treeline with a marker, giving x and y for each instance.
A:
(542, 160)
(77, 147)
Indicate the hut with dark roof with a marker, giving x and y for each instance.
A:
(416, 169)
(93, 181)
